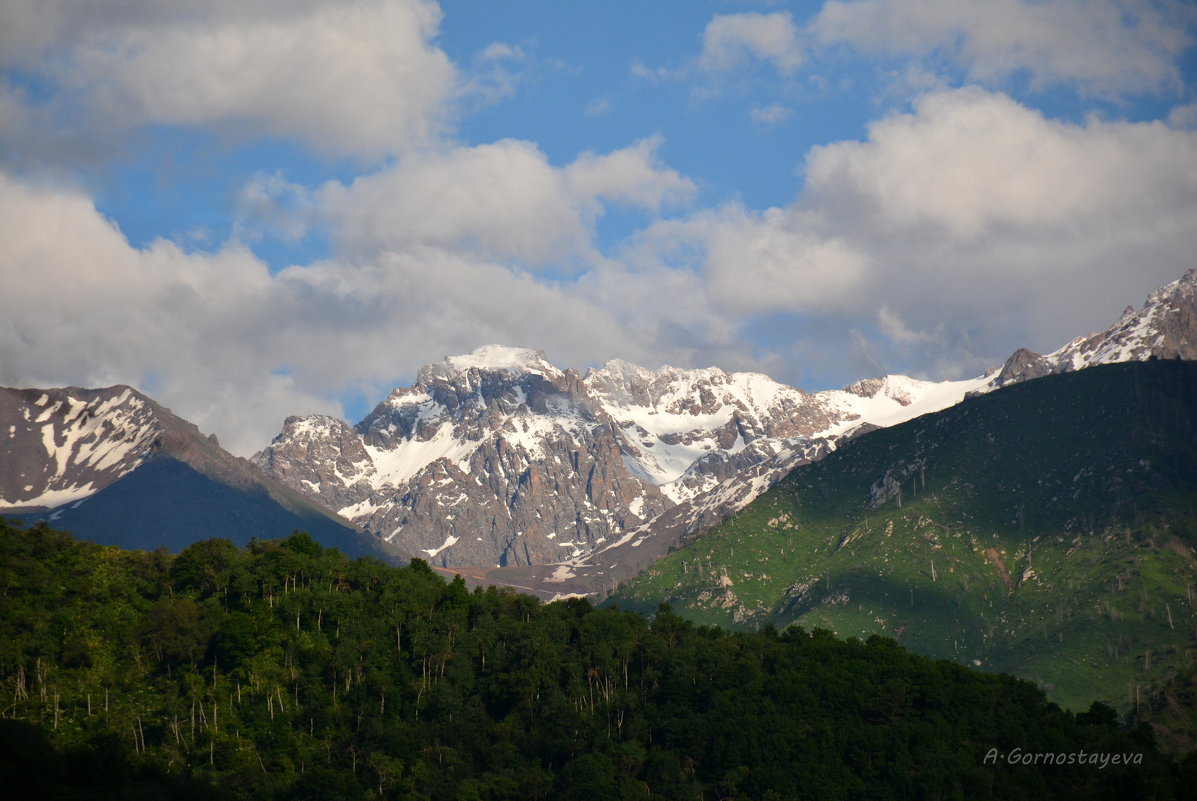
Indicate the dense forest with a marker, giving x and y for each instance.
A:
(285, 670)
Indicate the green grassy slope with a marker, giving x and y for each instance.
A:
(1045, 530)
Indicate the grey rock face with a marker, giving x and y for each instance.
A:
(1166, 328)
(324, 456)
(64, 445)
(617, 561)
(713, 422)
(498, 458)
(898, 391)
(1023, 365)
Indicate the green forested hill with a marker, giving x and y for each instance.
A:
(288, 671)
(1046, 529)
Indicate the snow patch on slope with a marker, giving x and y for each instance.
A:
(898, 399)
(397, 465)
(52, 498)
(449, 542)
(88, 444)
(672, 417)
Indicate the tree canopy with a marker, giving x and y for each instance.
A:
(285, 670)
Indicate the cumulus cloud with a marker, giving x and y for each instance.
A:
(83, 307)
(731, 40)
(971, 162)
(632, 176)
(358, 79)
(1105, 47)
(967, 227)
(501, 201)
(951, 234)
(762, 262)
(234, 348)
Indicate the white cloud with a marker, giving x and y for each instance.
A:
(731, 40)
(633, 176)
(499, 70)
(32, 29)
(894, 329)
(969, 163)
(656, 74)
(357, 79)
(83, 307)
(953, 235)
(499, 201)
(1106, 47)
(776, 260)
(236, 349)
(501, 51)
(224, 342)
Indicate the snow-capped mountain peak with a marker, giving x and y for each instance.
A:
(500, 457)
(1164, 328)
(503, 358)
(686, 430)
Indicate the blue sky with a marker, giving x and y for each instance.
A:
(255, 209)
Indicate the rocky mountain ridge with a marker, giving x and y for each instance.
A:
(498, 458)
(115, 466)
(1164, 328)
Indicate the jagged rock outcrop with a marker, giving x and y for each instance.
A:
(1023, 365)
(890, 386)
(689, 430)
(316, 445)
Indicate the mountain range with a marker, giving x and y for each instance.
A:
(1165, 327)
(114, 466)
(500, 459)
(498, 464)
